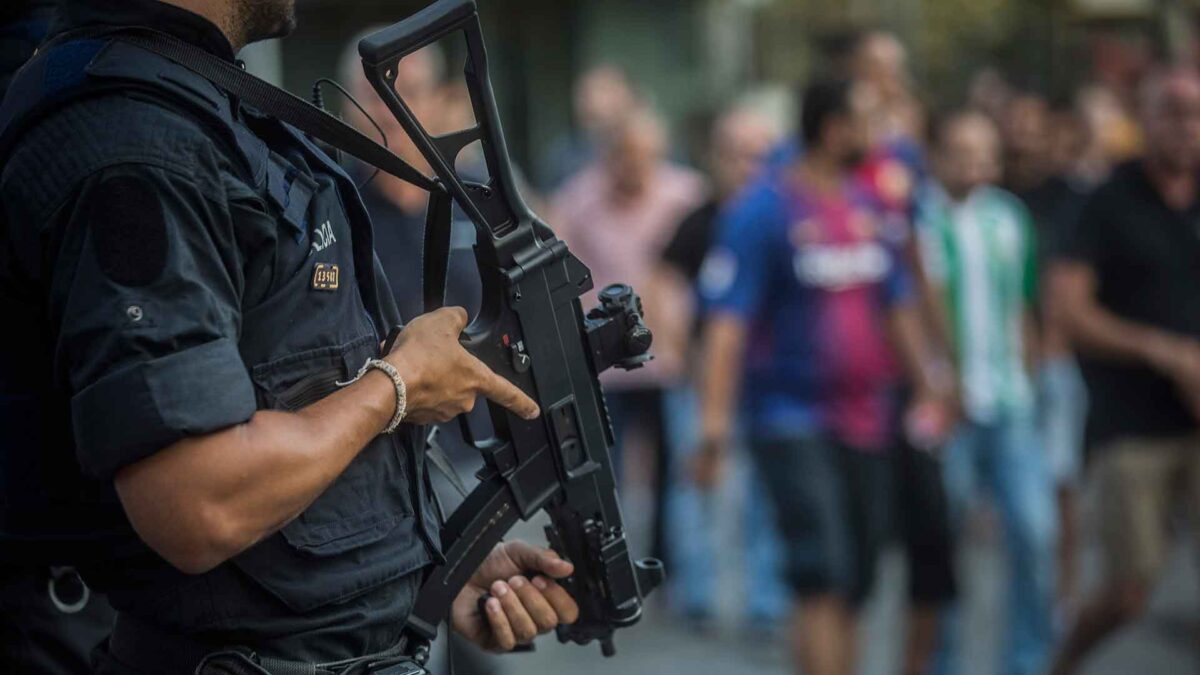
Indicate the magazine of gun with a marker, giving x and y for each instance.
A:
(532, 330)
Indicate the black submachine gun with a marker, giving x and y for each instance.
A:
(532, 330)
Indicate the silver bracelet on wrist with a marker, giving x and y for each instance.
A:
(401, 390)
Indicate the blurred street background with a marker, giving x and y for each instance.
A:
(691, 58)
(1163, 642)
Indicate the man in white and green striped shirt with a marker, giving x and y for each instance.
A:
(980, 252)
(977, 248)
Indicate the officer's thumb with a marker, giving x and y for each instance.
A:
(458, 317)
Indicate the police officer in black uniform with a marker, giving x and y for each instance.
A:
(49, 619)
(205, 317)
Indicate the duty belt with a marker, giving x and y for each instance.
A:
(153, 650)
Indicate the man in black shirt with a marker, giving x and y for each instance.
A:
(201, 289)
(1081, 165)
(396, 207)
(1129, 302)
(741, 140)
(397, 211)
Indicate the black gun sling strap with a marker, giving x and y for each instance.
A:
(260, 94)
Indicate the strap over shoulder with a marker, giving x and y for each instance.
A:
(79, 66)
(276, 102)
(76, 65)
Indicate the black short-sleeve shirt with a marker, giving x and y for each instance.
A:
(693, 238)
(1146, 258)
(1056, 205)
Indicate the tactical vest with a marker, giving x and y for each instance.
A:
(375, 524)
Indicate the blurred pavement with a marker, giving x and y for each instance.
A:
(1162, 644)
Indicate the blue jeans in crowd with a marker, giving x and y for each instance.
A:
(690, 532)
(1062, 407)
(1006, 458)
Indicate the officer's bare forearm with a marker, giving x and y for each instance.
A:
(724, 344)
(203, 500)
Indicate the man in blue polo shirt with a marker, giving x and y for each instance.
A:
(807, 294)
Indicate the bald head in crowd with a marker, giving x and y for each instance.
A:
(418, 80)
(1169, 108)
(741, 139)
(635, 152)
(879, 65)
(418, 77)
(881, 61)
(603, 96)
(966, 152)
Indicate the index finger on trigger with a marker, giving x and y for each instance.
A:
(508, 395)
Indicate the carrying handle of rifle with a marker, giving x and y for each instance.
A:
(425, 27)
(496, 208)
(506, 228)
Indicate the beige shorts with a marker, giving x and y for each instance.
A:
(1142, 483)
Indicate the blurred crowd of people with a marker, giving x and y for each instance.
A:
(891, 310)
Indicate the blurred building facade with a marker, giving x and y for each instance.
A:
(692, 57)
(684, 53)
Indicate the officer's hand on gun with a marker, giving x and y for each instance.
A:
(442, 379)
(523, 599)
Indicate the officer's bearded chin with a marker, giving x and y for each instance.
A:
(265, 19)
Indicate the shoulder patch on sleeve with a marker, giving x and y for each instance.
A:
(128, 230)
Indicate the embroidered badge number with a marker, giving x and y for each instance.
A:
(325, 277)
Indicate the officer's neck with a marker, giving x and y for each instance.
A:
(222, 13)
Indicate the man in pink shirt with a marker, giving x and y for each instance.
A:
(618, 214)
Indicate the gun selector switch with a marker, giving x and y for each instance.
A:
(520, 359)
